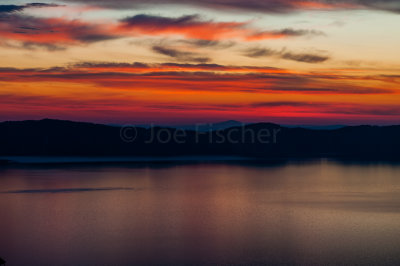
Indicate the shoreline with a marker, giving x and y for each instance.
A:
(6, 161)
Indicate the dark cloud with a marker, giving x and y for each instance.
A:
(199, 66)
(206, 33)
(93, 37)
(16, 8)
(35, 46)
(284, 54)
(51, 33)
(295, 32)
(157, 21)
(285, 33)
(259, 52)
(190, 26)
(47, 46)
(391, 76)
(181, 66)
(270, 6)
(305, 58)
(209, 44)
(42, 5)
(10, 8)
(203, 43)
(180, 55)
(109, 65)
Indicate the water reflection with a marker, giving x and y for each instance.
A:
(64, 190)
(313, 213)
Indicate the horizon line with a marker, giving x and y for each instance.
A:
(149, 124)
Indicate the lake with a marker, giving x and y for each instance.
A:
(295, 213)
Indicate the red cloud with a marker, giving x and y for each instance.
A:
(61, 31)
(193, 27)
(201, 77)
(193, 91)
(52, 30)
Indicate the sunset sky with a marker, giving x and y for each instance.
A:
(297, 62)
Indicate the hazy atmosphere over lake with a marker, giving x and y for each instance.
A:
(299, 213)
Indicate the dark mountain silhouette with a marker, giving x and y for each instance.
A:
(212, 126)
(229, 124)
(202, 126)
(263, 140)
(331, 127)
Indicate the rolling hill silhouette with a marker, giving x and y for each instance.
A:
(264, 140)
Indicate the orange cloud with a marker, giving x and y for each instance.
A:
(205, 77)
(193, 27)
(118, 92)
(188, 26)
(62, 31)
(52, 30)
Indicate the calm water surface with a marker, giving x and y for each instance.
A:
(314, 213)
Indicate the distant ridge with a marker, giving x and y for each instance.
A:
(230, 123)
(66, 138)
(201, 126)
(212, 126)
(330, 127)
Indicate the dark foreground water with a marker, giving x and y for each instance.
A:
(315, 213)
